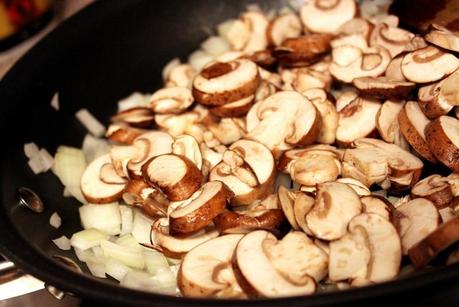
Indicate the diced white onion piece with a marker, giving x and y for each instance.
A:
(90, 123)
(76, 192)
(141, 227)
(199, 59)
(69, 165)
(133, 101)
(143, 281)
(94, 147)
(215, 46)
(127, 218)
(98, 251)
(129, 241)
(116, 269)
(104, 217)
(36, 165)
(66, 192)
(167, 280)
(96, 269)
(55, 102)
(154, 261)
(175, 269)
(63, 243)
(128, 256)
(55, 220)
(31, 150)
(48, 160)
(89, 256)
(88, 238)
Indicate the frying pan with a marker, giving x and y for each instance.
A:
(102, 54)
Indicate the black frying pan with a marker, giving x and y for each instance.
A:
(104, 53)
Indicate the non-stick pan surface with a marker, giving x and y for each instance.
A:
(109, 50)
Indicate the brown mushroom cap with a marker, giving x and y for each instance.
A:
(247, 221)
(443, 38)
(434, 188)
(303, 50)
(383, 87)
(327, 16)
(123, 133)
(136, 117)
(442, 137)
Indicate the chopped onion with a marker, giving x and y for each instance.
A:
(127, 218)
(154, 261)
(48, 160)
(55, 220)
(36, 165)
(215, 46)
(63, 243)
(199, 59)
(88, 238)
(141, 227)
(66, 192)
(134, 100)
(89, 256)
(55, 102)
(69, 165)
(98, 251)
(90, 122)
(104, 217)
(94, 147)
(97, 269)
(168, 68)
(127, 255)
(116, 269)
(31, 150)
(76, 192)
(143, 281)
(129, 241)
(167, 281)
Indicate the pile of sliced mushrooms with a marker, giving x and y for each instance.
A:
(269, 163)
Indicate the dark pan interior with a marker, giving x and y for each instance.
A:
(104, 53)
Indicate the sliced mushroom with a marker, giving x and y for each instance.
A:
(234, 109)
(136, 117)
(284, 26)
(228, 130)
(350, 256)
(177, 247)
(296, 119)
(393, 39)
(442, 137)
(123, 133)
(449, 90)
(328, 113)
(293, 154)
(345, 98)
(187, 146)
(327, 16)
(431, 101)
(357, 120)
(176, 176)
(109, 175)
(296, 205)
(357, 186)
(442, 37)
(441, 238)
(200, 209)
(206, 271)
(428, 65)
(335, 205)
(415, 220)
(394, 69)
(263, 58)
(412, 123)
(304, 50)
(258, 24)
(383, 87)
(247, 169)
(354, 40)
(171, 100)
(315, 168)
(220, 83)
(385, 246)
(257, 274)
(377, 204)
(357, 26)
(434, 188)
(141, 194)
(179, 76)
(387, 123)
(351, 62)
(305, 78)
(94, 189)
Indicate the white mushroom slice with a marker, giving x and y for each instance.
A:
(442, 137)
(351, 62)
(357, 186)
(303, 79)
(434, 188)
(248, 169)
(176, 176)
(428, 65)
(449, 90)
(453, 180)
(176, 247)
(387, 123)
(234, 109)
(304, 50)
(265, 90)
(437, 241)
(185, 123)
(355, 40)
(287, 200)
(431, 101)
(313, 169)
(293, 154)
(171, 100)
(330, 117)
(169, 67)
(180, 76)
(206, 270)
(228, 130)
(108, 175)
(446, 214)
(136, 117)
(285, 26)
(344, 99)
(219, 83)
(257, 274)
(357, 26)
(383, 87)
(335, 205)
(94, 189)
(123, 133)
(296, 119)
(414, 220)
(148, 145)
(377, 204)
(443, 38)
(198, 211)
(350, 256)
(327, 16)
(187, 146)
(392, 38)
(412, 123)
(257, 23)
(385, 246)
(139, 193)
(303, 204)
(357, 120)
(394, 69)
(236, 32)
